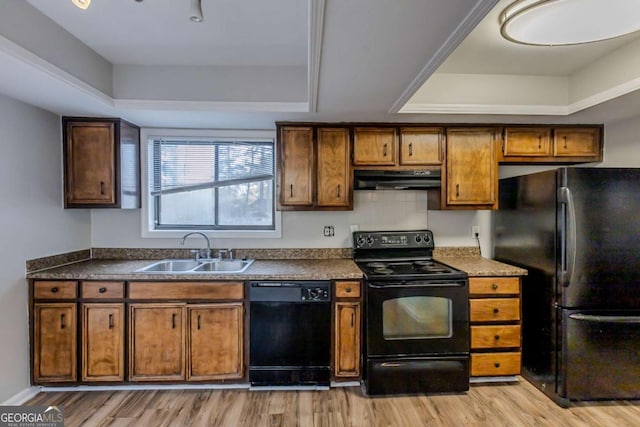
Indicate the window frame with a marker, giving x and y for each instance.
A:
(148, 135)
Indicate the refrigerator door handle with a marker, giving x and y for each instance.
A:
(568, 237)
(605, 319)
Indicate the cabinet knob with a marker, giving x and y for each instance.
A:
(348, 290)
(102, 290)
(496, 310)
(54, 290)
(494, 286)
(497, 337)
(497, 364)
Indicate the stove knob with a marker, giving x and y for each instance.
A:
(427, 238)
(418, 238)
(360, 241)
(370, 240)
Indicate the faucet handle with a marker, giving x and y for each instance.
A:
(230, 251)
(195, 253)
(221, 253)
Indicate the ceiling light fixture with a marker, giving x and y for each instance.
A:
(82, 4)
(568, 22)
(196, 11)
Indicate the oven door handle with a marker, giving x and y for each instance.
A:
(418, 284)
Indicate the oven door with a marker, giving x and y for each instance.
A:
(417, 318)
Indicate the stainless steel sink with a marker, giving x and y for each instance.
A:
(197, 266)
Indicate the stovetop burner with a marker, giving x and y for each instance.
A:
(400, 256)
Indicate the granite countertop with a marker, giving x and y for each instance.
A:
(286, 269)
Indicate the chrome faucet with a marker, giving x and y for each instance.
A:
(199, 253)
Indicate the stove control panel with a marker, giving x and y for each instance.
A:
(393, 239)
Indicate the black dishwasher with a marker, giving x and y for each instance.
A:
(290, 333)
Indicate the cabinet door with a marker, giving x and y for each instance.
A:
(54, 344)
(296, 166)
(334, 178)
(421, 146)
(103, 342)
(472, 165)
(527, 142)
(577, 142)
(90, 163)
(156, 342)
(374, 146)
(215, 337)
(347, 339)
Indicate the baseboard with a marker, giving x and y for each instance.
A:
(145, 387)
(503, 379)
(21, 397)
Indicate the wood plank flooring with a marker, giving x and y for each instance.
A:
(515, 404)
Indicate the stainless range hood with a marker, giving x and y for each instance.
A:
(396, 180)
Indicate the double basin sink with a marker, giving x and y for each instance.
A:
(197, 266)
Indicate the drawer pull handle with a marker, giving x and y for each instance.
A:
(338, 195)
(102, 188)
(384, 150)
(54, 290)
(62, 324)
(348, 290)
(496, 311)
(497, 337)
(411, 148)
(497, 364)
(539, 142)
(457, 190)
(110, 321)
(565, 142)
(494, 286)
(102, 290)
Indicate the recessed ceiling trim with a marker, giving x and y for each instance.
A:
(535, 110)
(30, 59)
(316, 31)
(474, 17)
(605, 95)
(219, 106)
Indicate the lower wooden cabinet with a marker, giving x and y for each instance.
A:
(347, 331)
(102, 342)
(494, 312)
(215, 341)
(157, 342)
(54, 342)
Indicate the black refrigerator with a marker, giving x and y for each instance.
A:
(577, 232)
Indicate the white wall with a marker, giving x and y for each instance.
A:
(373, 210)
(32, 224)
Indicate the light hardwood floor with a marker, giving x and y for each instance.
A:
(484, 405)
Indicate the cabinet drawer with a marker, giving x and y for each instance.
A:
(494, 309)
(486, 364)
(51, 289)
(102, 290)
(348, 289)
(495, 336)
(494, 285)
(187, 290)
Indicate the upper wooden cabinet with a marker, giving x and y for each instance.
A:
(315, 171)
(102, 166)
(375, 146)
(421, 146)
(471, 169)
(544, 144)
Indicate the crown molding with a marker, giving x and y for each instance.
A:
(221, 106)
(505, 109)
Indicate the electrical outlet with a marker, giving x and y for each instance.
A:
(475, 231)
(328, 231)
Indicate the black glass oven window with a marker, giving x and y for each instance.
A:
(421, 317)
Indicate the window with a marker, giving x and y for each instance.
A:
(210, 183)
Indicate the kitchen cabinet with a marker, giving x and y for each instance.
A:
(198, 338)
(471, 179)
(315, 171)
(494, 312)
(215, 341)
(421, 146)
(547, 145)
(102, 342)
(375, 146)
(347, 330)
(157, 341)
(101, 163)
(54, 331)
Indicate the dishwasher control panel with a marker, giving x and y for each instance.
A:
(291, 291)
